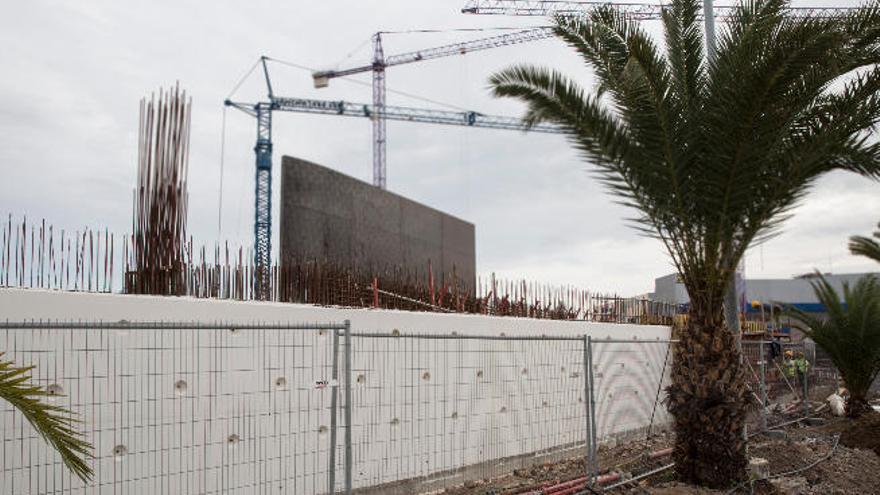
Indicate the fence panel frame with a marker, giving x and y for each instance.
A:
(122, 328)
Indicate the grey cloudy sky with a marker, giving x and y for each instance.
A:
(73, 73)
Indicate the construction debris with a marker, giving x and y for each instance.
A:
(837, 404)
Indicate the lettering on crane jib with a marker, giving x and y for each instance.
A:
(337, 106)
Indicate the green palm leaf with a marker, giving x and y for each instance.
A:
(53, 423)
(865, 246)
(849, 333)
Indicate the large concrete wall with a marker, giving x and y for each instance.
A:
(486, 405)
(328, 215)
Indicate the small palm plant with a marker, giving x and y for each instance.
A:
(865, 246)
(849, 333)
(52, 422)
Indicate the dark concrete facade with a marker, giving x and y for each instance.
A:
(329, 215)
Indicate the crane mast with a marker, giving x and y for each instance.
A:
(380, 63)
(379, 108)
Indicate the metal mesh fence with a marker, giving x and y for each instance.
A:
(632, 423)
(177, 408)
(780, 391)
(318, 408)
(440, 410)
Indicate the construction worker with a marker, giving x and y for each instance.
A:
(796, 367)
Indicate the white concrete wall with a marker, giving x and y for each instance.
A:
(420, 406)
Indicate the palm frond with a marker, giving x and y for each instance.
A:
(865, 246)
(715, 154)
(850, 331)
(53, 423)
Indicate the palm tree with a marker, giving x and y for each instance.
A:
(850, 334)
(713, 155)
(865, 246)
(52, 422)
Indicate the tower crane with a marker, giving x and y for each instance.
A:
(262, 112)
(381, 62)
(637, 11)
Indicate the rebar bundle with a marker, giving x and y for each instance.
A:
(160, 198)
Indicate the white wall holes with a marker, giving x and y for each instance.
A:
(395, 421)
(426, 376)
(479, 374)
(119, 452)
(233, 440)
(545, 404)
(524, 372)
(322, 333)
(395, 332)
(180, 387)
(54, 391)
(281, 383)
(361, 379)
(234, 331)
(454, 415)
(322, 429)
(562, 370)
(322, 384)
(503, 409)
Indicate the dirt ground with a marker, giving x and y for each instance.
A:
(850, 466)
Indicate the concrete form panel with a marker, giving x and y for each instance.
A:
(327, 215)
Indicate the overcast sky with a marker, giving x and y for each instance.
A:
(74, 72)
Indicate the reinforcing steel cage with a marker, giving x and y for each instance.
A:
(316, 408)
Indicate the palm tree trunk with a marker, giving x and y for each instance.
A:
(707, 398)
(857, 404)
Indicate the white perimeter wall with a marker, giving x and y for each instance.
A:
(420, 407)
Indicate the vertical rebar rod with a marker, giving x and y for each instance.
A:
(334, 385)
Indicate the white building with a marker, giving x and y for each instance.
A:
(797, 292)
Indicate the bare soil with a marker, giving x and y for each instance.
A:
(863, 433)
(848, 467)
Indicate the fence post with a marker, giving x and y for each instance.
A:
(348, 425)
(763, 387)
(589, 410)
(334, 391)
(593, 435)
(805, 376)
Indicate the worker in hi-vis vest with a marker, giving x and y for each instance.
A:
(796, 367)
